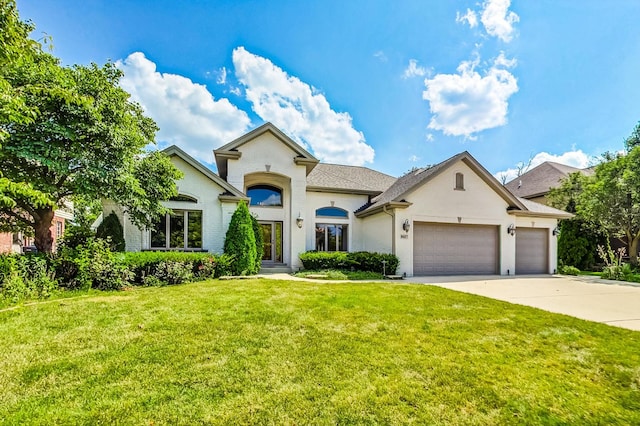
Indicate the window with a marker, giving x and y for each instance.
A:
(331, 237)
(182, 197)
(180, 230)
(58, 229)
(459, 181)
(265, 196)
(332, 212)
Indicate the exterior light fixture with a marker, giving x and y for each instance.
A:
(511, 230)
(555, 231)
(406, 225)
(299, 220)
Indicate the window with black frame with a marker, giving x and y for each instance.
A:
(180, 230)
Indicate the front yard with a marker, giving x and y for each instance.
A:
(262, 351)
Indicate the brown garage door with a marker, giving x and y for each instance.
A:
(532, 251)
(447, 249)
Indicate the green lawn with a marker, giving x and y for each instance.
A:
(278, 352)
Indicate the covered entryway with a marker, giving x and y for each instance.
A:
(450, 249)
(532, 251)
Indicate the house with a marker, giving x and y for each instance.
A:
(17, 242)
(452, 218)
(536, 183)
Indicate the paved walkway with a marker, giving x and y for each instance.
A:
(590, 298)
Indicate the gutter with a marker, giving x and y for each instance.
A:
(393, 228)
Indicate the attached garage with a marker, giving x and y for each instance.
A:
(532, 251)
(451, 249)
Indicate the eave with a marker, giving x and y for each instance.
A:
(383, 207)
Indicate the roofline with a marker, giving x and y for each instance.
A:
(223, 153)
(383, 207)
(174, 150)
(529, 213)
(343, 190)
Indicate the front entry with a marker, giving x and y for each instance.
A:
(271, 242)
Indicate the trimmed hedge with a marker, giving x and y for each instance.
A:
(171, 265)
(358, 261)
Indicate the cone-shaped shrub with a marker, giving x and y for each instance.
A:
(240, 242)
(257, 232)
(111, 227)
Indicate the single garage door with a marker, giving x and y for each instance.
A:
(532, 251)
(448, 249)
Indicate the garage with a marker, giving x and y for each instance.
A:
(451, 249)
(532, 251)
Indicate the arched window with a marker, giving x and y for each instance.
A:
(265, 196)
(459, 181)
(332, 212)
(182, 197)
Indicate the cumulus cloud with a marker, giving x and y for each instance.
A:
(470, 18)
(186, 112)
(300, 111)
(498, 20)
(468, 102)
(222, 76)
(575, 158)
(414, 70)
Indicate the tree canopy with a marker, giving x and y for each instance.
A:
(80, 135)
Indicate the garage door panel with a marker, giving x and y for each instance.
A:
(532, 251)
(448, 249)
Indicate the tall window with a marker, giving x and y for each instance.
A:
(331, 237)
(459, 181)
(180, 230)
(265, 195)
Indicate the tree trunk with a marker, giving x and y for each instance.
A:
(42, 228)
(633, 249)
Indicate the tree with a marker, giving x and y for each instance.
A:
(86, 138)
(633, 140)
(240, 242)
(111, 229)
(612, 198)
(257, 233)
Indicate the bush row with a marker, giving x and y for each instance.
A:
(94, 265)
(358, 261)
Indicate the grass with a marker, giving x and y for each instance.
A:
(278, 352)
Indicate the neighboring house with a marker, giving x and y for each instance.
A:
(452, 218)
(535, 184)
(18, 242)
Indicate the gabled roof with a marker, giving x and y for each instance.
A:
(230, 150)
(231, 193)
(394, 196)
(538, 210)
(539, 180)
(348, 179)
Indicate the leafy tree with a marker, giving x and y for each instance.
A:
(633, 140)
(86, 138)
(257, 232)
(240, 242)
(111, 229)
(612, 197)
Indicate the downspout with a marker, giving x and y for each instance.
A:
(393, 229)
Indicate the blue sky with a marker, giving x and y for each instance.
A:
(389, 85)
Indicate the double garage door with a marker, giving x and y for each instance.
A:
(450, 249)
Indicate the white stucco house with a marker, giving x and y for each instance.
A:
(451, 218)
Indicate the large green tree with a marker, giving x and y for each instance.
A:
(83, 137)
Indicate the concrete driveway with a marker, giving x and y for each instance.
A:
(590, 298)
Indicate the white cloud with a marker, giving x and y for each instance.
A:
(429, 137)
(186, 112)
(575, 158)
(380, 56)
(413, 70)
(470, 18)
(467, 102)
(300, 111)
(498, 20)
(222, 76)
(414, 158)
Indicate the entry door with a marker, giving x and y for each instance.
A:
(271, 242)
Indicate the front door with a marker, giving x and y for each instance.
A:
(271, 242)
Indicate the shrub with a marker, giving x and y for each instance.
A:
(145, 264)
(359, 261)
(240, 242)
(110, 229)
(257, 233)
(578, 241)
(568, 270)
(174, 272)
(26, 277)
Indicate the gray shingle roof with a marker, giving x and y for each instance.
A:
(538, 208)
(539, 180)
(348, 178)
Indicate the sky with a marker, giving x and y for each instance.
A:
(389, 85)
